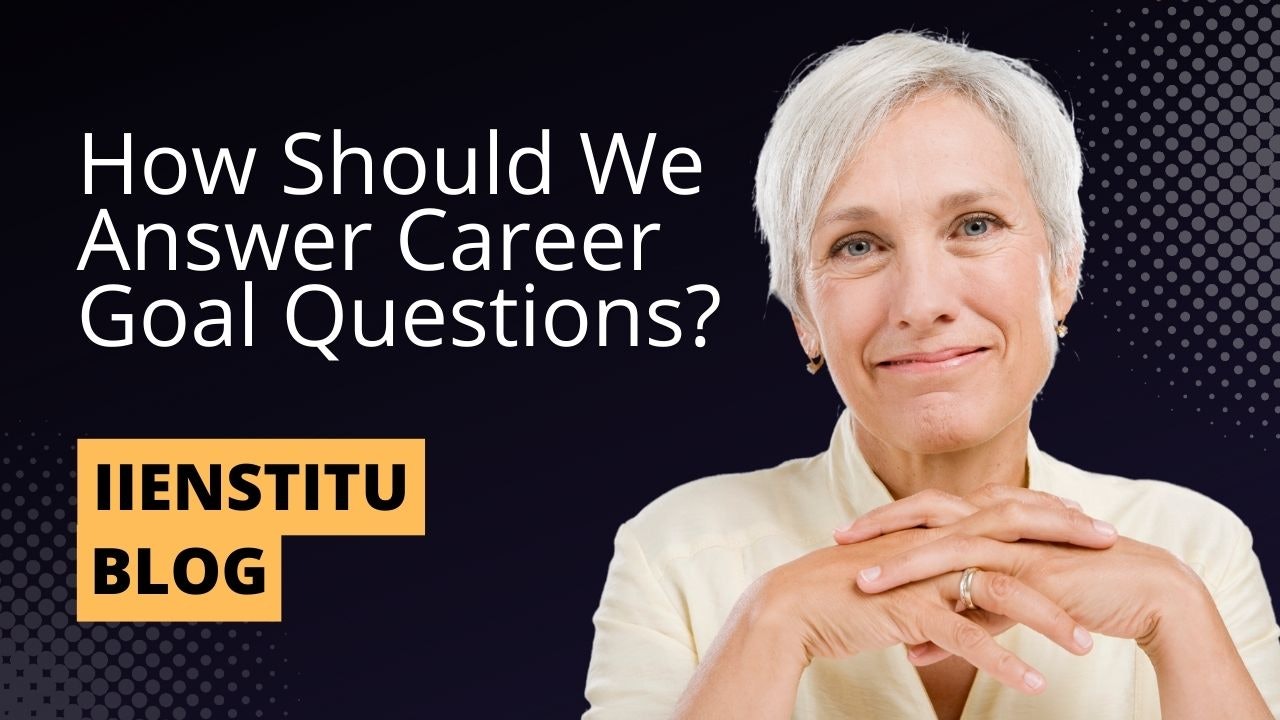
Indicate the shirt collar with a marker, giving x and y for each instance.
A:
(857, 485)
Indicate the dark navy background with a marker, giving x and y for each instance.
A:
(535, 455)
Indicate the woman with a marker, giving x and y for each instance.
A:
(919, 199)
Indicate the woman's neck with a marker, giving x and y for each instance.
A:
(1002, 460)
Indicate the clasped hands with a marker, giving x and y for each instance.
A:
(1044, 564)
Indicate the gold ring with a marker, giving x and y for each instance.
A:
(966, 587)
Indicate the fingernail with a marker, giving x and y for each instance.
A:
(1033, 679)
(870, 573)
(1072, 504)
(847, 528)
(1104, 528)
(916, 651)
(1083, 638)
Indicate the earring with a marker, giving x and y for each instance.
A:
(816, 363)
(1061, 328)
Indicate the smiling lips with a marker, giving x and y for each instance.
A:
(925, 362)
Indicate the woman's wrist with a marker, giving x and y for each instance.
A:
(1198, 669)
(1183, 616)
(753, 667)
(770, 616)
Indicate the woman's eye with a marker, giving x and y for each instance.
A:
(975, 226)
(978, 226)
(857, 247)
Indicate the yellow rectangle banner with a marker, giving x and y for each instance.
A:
(189, 530)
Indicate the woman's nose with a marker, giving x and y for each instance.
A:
(924, 292)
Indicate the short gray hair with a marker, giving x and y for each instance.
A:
(828, 114)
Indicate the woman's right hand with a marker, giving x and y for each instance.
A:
(816, 601)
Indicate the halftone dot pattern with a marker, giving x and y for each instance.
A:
(52, 667)
(1179, 133)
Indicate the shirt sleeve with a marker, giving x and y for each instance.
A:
(1245, 606)
(643, 654)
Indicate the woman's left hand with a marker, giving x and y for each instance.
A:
(1121, 591)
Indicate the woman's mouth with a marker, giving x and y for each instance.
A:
(930, 362)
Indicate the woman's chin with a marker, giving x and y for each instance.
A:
(920, 443)
(937, 430)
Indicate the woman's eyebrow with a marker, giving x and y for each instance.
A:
(957, 200)
(948, 203)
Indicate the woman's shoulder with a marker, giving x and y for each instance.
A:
(1139, 499)
(1197, 528)
(733, 508)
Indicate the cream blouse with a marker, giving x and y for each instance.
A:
(681, 563)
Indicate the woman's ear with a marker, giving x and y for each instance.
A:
(808, 336)
(1065, 283)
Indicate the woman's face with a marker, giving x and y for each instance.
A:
(930, 244)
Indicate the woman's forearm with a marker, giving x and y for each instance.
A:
(1199, 671)
(752, 669)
